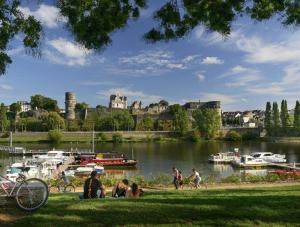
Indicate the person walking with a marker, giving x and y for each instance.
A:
(175, 177)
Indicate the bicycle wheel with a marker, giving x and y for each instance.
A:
(69, 188)
(32, 194)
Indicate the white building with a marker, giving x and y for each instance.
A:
(25, 106)
(118, 101)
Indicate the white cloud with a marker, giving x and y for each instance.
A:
(241, 76)
(212, 60)
(132, 95)
(154, 62)
(96, 83)
(48, 15)
(68, 48)
(287, 86)
(189, 58)
(200, 76)
(6, 87)
(67, 53)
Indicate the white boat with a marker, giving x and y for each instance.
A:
(13, 171)
(225, 157)
(52, 155)
(249, 161)
(86, 170)
(270, 157)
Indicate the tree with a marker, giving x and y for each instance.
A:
(146, 124)
(15, 107)
(297, 115)
(55, 136)
(123, 120)
(81, 106)
(93, 22)
(275, 116)
(13, 22)
(268, 116)
(208, 122)
(52, 120)
(43, 103)
(4, 123)
(180, 119)
(163, 103)
(284, 115)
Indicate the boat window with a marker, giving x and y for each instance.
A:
(267, 154)
(256, 155)
(52, 154)
(243, 159)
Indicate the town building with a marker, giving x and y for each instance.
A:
(25, 106)
(118, 101)
(136, 107)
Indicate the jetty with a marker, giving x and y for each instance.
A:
(24, 152)
(287, 166)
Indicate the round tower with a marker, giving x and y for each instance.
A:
(70, 102)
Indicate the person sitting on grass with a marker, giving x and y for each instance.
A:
(196, 178)
(91, 187)
(120, 189)
(134, 192)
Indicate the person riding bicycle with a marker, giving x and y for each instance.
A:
(196, 178)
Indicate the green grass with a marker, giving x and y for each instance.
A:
(232, 207)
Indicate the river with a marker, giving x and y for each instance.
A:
(159, 158)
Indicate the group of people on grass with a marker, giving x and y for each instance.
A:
(93, 188)
(178, 179)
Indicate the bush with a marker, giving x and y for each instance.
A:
(160, 180)
(117, 138)
(254, 178)
(195, 136)
(102, 137)
(139, 180)
(272, 177)
(234, 136)
(5, 135)
(55, 136)
(250, 136)
(231, 179)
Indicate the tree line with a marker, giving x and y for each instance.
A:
(205, 122)
(280, 123)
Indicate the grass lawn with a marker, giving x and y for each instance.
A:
(277, 206)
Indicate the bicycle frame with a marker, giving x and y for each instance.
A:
(8, 190)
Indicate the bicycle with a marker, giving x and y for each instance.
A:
(58, 185)
(29, 194)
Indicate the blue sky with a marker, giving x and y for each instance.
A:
(259, 62)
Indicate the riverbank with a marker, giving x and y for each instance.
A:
(275, 206)
(87, 137)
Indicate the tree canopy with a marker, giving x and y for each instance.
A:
(92, 22)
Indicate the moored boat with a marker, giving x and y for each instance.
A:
(51, 155)
(247, 161)
(13, 171)
(226, 157)
(270, 157)
(107, 160)
(86, 170)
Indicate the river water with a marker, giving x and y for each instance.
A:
(159, 158)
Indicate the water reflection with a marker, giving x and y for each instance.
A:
(156, 158)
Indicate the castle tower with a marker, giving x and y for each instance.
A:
(70, 102)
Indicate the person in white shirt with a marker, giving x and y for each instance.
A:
(196, 178)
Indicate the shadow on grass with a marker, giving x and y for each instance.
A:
(216, 207)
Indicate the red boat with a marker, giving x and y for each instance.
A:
(287, 172)
(108, 160)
